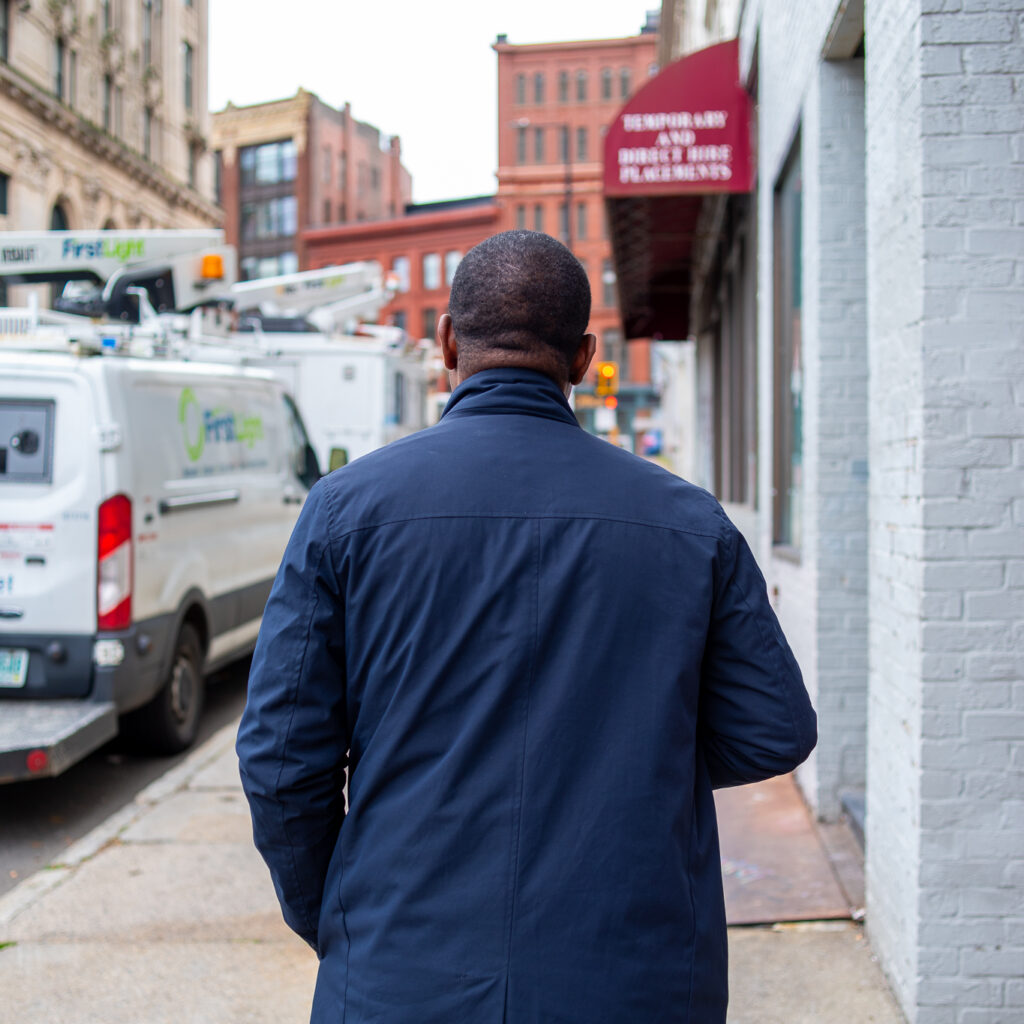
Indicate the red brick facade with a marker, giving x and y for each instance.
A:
(430, 239)
(554, 101)
(327, 167)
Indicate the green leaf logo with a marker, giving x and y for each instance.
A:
(194, 448)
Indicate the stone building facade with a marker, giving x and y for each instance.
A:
(878, 267)
(103, 115)
(293, 164)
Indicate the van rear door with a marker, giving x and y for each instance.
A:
(49, 492)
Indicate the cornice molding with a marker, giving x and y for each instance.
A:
(49, 110)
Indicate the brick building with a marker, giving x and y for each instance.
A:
(295, 163)
(855, 322)
(421, 249)
(554, 102)
(103, 116)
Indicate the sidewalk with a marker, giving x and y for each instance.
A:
(165, 914)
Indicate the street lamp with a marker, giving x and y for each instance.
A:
(566, 129)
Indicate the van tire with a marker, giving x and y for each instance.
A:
(169, 723)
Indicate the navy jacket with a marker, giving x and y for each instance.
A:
(542, 654)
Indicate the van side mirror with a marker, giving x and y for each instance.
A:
(339, 458)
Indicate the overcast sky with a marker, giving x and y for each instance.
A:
(423, 71)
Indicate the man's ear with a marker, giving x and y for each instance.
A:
(583, 358)
(446, 339)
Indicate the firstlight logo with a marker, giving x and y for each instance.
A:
(120, 249)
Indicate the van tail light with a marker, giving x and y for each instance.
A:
(114, 576)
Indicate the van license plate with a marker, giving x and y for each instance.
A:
(13, 667)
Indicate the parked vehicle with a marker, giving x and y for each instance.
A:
(145, 502)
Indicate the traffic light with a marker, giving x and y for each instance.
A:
(607, 378)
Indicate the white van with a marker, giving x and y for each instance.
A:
(144, 508)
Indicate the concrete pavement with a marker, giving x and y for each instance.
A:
(165, 914)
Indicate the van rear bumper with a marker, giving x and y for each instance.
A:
(63, 666)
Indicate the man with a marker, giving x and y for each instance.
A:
(540, 654)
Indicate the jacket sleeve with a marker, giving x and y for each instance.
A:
(755, 718)
(292, 742)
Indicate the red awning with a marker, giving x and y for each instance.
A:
(684, 135)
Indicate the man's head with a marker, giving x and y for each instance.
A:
(519, 299)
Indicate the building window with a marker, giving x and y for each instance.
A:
(431, 271)
(581, 86)
(193, 164)
(563, 222)
(608, 297)
(398, 319)
(328, 168)
(452, 259)
(147, 132)
(5, 29)
(563, 86)
(521, 145)
(538, 145)
(625, 83)
(400, 268)
(581, 143)
(72, 76)
(538, 87)
(787, 268)
(538, 217)
(327, 211)
(271, 218)
(521, 216)
(563, 144)
(59, 219)
(108, 103)
(4, 182)
(520, 89)
(268, 266)
(269, 164)
(429, 323)
(218, 178)
(606, 83)
(59, 53)
(188, 58)
(147, 33)
(581, 221)
(107, 20)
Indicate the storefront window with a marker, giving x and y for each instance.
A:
(788, 369)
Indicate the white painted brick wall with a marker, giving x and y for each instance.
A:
(945, 446)
(946, 604)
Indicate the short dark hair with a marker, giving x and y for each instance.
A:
(519, 290)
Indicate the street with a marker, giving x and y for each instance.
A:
(41, 818)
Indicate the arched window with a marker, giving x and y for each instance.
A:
(581, 86)
(109, 225)
(58, 218)
(625, 83)
(606, 83)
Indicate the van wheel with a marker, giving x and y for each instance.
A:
(169, 723)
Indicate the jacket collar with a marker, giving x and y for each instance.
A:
(509, 391)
